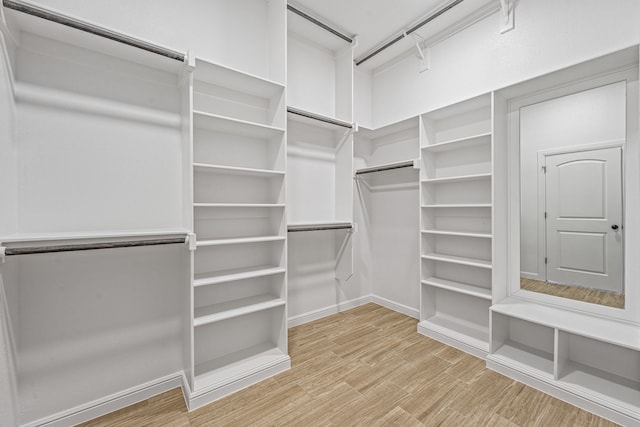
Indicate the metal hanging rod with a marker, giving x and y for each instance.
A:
(90, 28)
(309, 115)
(319, 227)
(391, 166)
(409, 31)
(31, 250)
(319, 23)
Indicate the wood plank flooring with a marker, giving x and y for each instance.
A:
(367, 367)
(573, 292)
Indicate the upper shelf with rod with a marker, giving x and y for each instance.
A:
(389, 166)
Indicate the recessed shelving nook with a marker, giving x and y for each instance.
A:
(456, 224)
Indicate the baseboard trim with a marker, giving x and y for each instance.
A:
(111, 403)
(400, 308)
(199, 399)
(560, 393)
(327, 311)
(474, 351)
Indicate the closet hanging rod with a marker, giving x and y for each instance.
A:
(392, 166)
(319, 23)
(319, 227)
(90, 28)
(31, 250)
(413, 29)
(318, 117)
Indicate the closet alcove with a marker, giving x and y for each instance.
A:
(174, 201)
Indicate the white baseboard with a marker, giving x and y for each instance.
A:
(400, 308)
(110, 403)
(327, 311)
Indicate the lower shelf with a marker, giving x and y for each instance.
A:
(473, 262)
(462, 288)
(235, 366)
(525, 358)
(230, 309)
(235, 274)
(467, 333)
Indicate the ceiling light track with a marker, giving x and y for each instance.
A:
(409, 31)
(319, 23)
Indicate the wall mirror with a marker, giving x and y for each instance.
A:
(574, 186)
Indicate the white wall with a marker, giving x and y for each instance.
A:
(549, 35)
(230, 32)
(362, 91)
(8, 378)
(593, 116)
(8, 146)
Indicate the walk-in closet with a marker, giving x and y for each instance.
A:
(357, 212)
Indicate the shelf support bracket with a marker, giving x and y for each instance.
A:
(507, 17)
(423, 54)
(3, 253)
(191, 241)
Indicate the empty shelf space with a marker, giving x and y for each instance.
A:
(230, 309)
(238, 205)
(230, 125)
(457, 178)
(525, 358)
(473, 262)
(320, 226)
(387, 166)
(315, 119)
(462, 288)
(458, 233)
(232, 170)
(238, 241)
(459, 143)
(471, 334)
(237, 365)
(237, 80)
(236, 274)
(458, 205)
(588, 381)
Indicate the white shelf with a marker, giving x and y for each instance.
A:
(230, 309)
(598, 328)
(92, 236)
(319, 226)
(233, 126)
(239, 241)
(412, 163)
(238, 205)
(234, 366)
(525, 358)
(456, 144)
(459, 205)
(237, 80)
(473, 262)
(590, 382)
(465, 332)
(458, 233)
(236, 274)
(460, 178)
(461, 288)
(315, 119)
(232, 170)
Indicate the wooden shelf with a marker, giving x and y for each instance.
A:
(458, 233)
(238, 205)
(461, 178)
(456, 144)
(473, 262)
(525, 358)
(230, 309)
(232, 170)
(233, 366)
(459, 205)
(236, 274)
(239, 241)
(233, 126)
(461, 288)
(465, 332)
(599, 328)
(237, 80)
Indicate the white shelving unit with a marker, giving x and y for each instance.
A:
(456, 224)
(239, 262)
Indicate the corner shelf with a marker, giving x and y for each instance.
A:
(473, 262)
(458, 233)
(230, 309)
(237, 80)
(235, 274)
(215, 122)
(456, 144)
(462, 288)
(232, 170)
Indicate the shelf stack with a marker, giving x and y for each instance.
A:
(239, 311)
(456, 225)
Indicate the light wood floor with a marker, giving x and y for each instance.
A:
(368, 366)
(572, 292)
